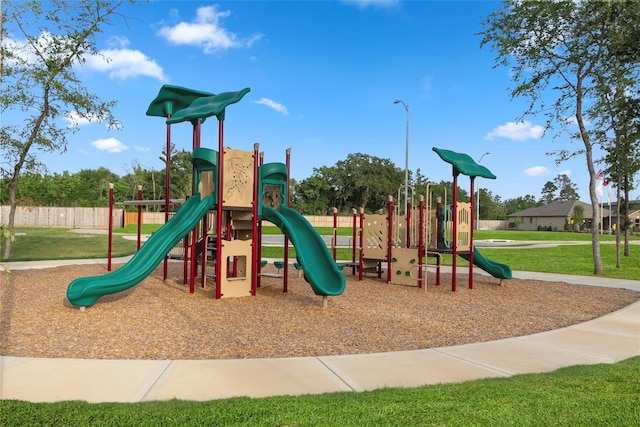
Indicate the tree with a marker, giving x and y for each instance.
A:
(567, 188)
(181, 171)
(519, 204)
(548, 192)
(42, 42)
(359, 181)
(556, 52)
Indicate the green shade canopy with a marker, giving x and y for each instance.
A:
(173, 98)
(208, 106)
(463, 164)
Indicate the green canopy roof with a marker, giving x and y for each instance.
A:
(208, 106)
(173, 98)
(463, 164)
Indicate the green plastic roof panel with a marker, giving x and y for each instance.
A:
(208, 106)
(173, 98)
(464, 164)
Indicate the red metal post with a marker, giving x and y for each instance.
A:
(361, 261)
(353, 242)
(471, 235)
(334, 241)
(139, 213)
(110, 239)
(219, 208)
(420, 241)
(438, 231)
(259, 257)
(257, 241)
(286, 240)
(454, 247)
(389, 237)
(167, 181)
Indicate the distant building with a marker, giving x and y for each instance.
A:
(555, 216)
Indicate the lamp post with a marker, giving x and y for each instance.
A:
(406, 156)
(478, 198)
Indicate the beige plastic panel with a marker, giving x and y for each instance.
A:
(375, 232)
(238, 178)
(240, 252)
(404, 265)
(464, 226)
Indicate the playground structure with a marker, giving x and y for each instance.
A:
(404, 242)
(232, 190)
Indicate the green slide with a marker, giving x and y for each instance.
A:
(319, 268)
(501, 271)
(85, 291)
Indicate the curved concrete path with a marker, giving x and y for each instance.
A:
(608, 339)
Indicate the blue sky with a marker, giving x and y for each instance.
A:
(323, 76)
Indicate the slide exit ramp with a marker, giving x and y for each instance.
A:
(320, 270)
(500, 271)
(85, 291)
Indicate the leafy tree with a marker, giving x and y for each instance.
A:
(42, 42)
(557, 53)
(180, 172)
(578, 216)
(358, 181)
(567, 188)
(520, 203)
(314, 194)
(94, 186)
(366, 181)
(548, 193)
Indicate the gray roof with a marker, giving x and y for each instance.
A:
(557, 209)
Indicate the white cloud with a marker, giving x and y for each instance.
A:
(537, 171)
(566, 172)
(274, 105)
(206, 31)
(110, 145)
(125, 63)
(520, 131)
(74, 119)
(141, 149)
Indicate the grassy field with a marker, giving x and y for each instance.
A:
(60, 243)
(594, 395)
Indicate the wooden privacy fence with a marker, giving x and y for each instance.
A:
(43, 216)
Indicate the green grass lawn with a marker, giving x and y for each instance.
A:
(35, 243)
(595, 395)
(38, 243)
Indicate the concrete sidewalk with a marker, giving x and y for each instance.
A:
(608, 339)
(605, 340)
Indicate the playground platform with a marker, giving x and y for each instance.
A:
(608, 339)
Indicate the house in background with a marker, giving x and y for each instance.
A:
(554, 216)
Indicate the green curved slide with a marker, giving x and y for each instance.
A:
(85, 291)
(500, 271)
(320, 270)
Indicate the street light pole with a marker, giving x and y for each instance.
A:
(406, 155)
(478, 198)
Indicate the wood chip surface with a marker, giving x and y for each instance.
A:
(161, 320)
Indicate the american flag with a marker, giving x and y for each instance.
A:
(599, 175)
